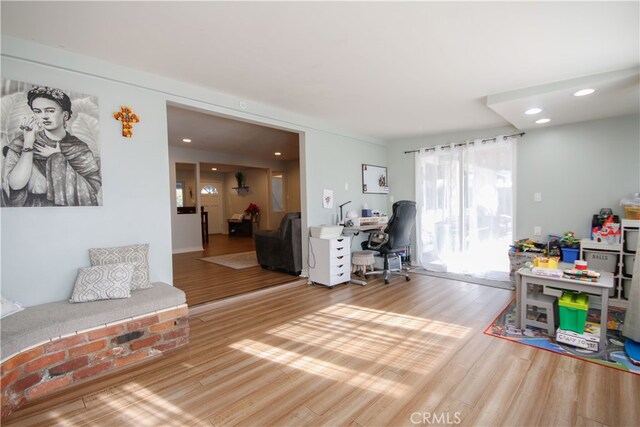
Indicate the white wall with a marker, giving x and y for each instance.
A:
(42, 248)
(335, 163)
(579, 168)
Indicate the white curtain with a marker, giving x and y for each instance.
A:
(464, 194)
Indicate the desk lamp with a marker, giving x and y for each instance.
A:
(346, 203)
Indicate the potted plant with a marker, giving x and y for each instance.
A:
(240, 179)
(253, 210)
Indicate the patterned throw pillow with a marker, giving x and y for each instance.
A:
(8, 307)
(138, 255)
(109, 281)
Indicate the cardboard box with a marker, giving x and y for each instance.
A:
(326, 231)
(589, 339)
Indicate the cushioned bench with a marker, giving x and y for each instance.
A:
(40, 323)
(49, 346)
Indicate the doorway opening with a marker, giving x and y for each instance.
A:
(221, 149)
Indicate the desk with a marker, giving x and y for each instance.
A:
(240, 228)
(525, 277)
(355, 230)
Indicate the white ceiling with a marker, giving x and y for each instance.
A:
(616, 94)
(385, 69)
(207, 131)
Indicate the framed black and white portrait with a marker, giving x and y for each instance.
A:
(50, 147)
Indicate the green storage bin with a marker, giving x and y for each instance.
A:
(573, 310)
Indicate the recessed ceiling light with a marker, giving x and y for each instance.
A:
(532, 111)
(277, 153)
(186, 140)
(214, 169)
(584, 92)
(541, 121)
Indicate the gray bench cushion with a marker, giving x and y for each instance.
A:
(39, 323)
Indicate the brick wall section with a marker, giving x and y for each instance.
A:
(65, 361)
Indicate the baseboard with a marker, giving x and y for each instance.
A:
(191, 249)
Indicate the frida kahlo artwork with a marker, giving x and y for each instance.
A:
(50, 147)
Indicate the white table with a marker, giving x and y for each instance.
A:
(525, 277)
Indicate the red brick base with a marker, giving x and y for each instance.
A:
(58, 363)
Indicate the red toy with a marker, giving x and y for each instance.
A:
(608, 233)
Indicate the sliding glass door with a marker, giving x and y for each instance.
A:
(465, 208)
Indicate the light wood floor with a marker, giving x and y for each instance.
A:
(204, 282)
(380, 355)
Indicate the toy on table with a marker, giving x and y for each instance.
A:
(553, 246)
(584, 275)
(546, 262)
(580, 264)
(570, 247)
(547, 272)
(569, 240)
(528, 245)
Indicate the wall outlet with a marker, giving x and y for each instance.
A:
(391, 199)
(537, 231)
(537, 197)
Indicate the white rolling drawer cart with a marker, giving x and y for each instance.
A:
(330, 260)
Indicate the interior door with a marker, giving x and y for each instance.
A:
(278, 198)
(211, 199)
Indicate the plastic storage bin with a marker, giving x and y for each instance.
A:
(629, 261)
(601, 261)
(573, 311)
(632, 212)
(630, 240)
(569, 254)
(626, 288)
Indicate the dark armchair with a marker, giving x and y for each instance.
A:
(281, 249)
(395, 238)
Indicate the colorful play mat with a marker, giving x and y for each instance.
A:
(614, 356)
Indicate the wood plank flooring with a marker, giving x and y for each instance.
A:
(204, 282)
(404, 354)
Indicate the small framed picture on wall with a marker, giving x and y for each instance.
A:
(374, 179)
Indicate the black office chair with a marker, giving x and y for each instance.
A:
(395, 238)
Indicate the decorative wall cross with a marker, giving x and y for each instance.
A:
(127, 117)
